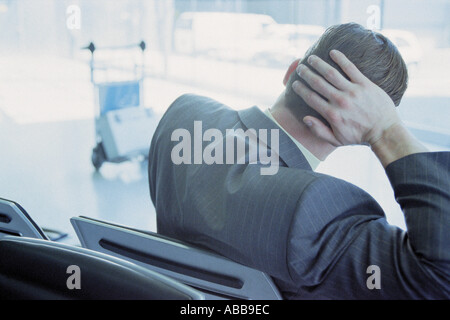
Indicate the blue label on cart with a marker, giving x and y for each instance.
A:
(114, 96)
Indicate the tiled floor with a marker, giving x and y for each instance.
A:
(46, 168)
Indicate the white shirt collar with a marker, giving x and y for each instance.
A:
(312, 160)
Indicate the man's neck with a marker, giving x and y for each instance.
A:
(299, 131)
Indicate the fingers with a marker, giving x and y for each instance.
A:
(320, 130)
(311, 98)
(347, 66)
(329, 73)
(318, 83)
(332, 75)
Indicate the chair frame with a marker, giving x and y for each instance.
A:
(218, 277)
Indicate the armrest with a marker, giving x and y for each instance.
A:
(15, 221)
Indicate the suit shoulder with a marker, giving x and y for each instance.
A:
(183, 101)
(191, 99)
(195, 107)
(337, 197)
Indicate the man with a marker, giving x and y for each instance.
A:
(317, 236)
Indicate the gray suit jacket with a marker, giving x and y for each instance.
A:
(316, 235)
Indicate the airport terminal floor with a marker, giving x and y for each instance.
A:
(48, 171)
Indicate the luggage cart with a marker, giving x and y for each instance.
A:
(123, 126)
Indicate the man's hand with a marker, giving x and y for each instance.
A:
(358, 111)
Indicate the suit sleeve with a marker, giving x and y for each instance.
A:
(422, 188)
(341, 246)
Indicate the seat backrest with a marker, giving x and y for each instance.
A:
(15, 221)
(41, 269)
(216, 276)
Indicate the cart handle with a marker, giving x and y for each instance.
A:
(91, 47)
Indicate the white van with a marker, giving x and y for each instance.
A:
(218, 32)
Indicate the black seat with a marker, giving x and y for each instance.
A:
(216, 276)
(45, 270)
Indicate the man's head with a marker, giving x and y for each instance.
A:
(372, 53)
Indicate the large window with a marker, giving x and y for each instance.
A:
(235, 51)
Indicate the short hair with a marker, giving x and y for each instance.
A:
(371, 52)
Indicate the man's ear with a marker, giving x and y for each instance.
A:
(289, 71)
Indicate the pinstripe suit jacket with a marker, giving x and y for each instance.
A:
(314, 234)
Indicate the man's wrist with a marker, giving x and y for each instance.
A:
(394, 143)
